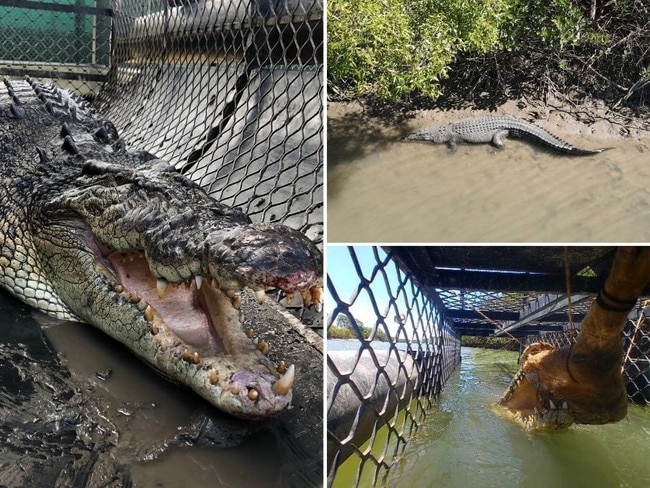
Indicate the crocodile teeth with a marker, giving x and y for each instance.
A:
(148, 313)
(316, 298)
(264, 347)
(198, 280)
(551, 405)
(260, 295)
(284, 384)
(281, 368)
(565, 406)
(160, 287)
(214, 377)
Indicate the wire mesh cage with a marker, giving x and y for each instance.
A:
(396, 354)
(229, 91)
(68, 41)
(636, 352)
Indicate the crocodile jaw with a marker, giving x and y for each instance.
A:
(213, 357)
(555, 388)
(193, 336)
(530, 403)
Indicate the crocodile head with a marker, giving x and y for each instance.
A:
(437, 134)
(582, 383)
(144, 254)
(553, 389)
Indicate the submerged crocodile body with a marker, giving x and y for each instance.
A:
(96, 232)
(494, 129)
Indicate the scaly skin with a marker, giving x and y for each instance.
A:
(494, 129)
(582, 383)
(95, 232)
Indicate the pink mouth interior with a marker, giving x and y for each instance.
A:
(183, 310)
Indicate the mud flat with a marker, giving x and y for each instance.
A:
(381, 189)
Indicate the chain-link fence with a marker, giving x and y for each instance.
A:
(390, 352)
(230, 91)
(636, 352)
(67, 40)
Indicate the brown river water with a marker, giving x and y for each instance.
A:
(381, 189)
(78, 409)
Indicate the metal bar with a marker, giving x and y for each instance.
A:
(487, 329)
(502, 316)
(539, 312)
(549, 303)
(519, 282)
(54, 73)
(56, 7)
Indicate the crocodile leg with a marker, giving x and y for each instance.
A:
(497, 139)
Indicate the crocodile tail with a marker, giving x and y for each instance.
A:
(587, 152)
(542, 136)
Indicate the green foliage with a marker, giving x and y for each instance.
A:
(380, 335)
(344, 321)
(344, 330)
(393, 49)
(504, 343)
(335, 332)
(558, 23)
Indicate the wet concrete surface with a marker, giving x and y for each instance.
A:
(79, 410)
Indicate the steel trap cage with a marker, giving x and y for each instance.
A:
(229, 92)
(636, 352)
(397, 352)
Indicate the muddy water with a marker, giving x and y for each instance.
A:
(465, 443)
(383, 190)
(78, 409)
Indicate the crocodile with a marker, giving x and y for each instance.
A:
(582, 383)
(94, 231)
(494, 129)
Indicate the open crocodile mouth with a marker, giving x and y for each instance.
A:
(555, 388)
(533, 410)
(193, 335)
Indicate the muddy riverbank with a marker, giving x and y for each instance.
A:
(79, 410)
(381, 189)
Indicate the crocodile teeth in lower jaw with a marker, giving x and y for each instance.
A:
(200, 327)
(284, 384)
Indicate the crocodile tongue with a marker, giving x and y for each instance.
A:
(202, 321)
(180, 307)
